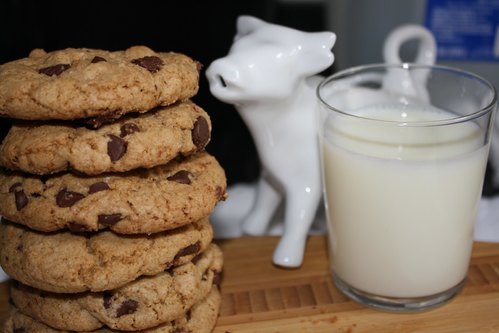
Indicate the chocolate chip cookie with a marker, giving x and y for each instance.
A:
(147, 140)
(201, 318)
(64, 262)
(143, 303)
(89, 83)
(139, 201)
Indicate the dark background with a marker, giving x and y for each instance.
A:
(201, 29)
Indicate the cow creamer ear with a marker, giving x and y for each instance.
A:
(246, 24)
(317, 55)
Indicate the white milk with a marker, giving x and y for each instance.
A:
(403, 213)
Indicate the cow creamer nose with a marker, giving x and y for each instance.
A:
(215, 80)
(221, 80)
(221, 74)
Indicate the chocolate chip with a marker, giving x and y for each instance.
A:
(200, 133)
(19, 330)
(188, 315)
(109, 219)
(196, 258)
(21, 199)
(97, 59)
(20, 196)
(151, 63)
(97, 187)
(54, 70)
(127, 307)
(116, 147)
(182, 177)
(107, 300)
(217, 278)
(93, 123)
(128, 128)
(96, 122)
(193, 248)
(20, 248)
(76, 172)
(76, 227)
(67, 198)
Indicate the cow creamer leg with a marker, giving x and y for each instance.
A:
(301, 208)
(228, 216)
(266, 202)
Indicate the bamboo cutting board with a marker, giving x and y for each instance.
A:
(259, 297)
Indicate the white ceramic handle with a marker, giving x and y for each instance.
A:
(402, 81)
(427, 47)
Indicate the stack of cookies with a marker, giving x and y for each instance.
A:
(106, 192)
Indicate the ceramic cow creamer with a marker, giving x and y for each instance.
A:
(269, 75)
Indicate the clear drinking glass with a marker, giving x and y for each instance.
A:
(403, 154)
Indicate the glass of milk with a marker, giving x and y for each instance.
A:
(403, 154)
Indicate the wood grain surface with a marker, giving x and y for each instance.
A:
(260, 297)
